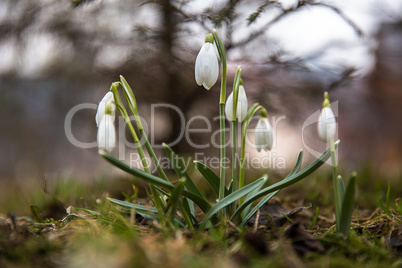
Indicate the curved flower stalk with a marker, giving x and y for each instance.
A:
(244, 128)
(104, 119)
(222, 55)
(232, 112)
(206, 64)
(242, 104)
(263, 135)
(326, 121)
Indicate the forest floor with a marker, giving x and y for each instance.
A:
(72, 224)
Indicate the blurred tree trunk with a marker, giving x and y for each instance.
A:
(177, 91)
(169, 65)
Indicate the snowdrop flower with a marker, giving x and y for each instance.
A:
(206, 64)
(241, 111)
(104, 119)
(263, 135)
(326, 121)
(106, 100)
(106, 134)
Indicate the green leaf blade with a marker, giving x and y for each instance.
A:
(284, 183)
(180, 169)
(210, 176)
(256, 208)
(172, 204)
(347, 207)
(200, 201)
(230, 199)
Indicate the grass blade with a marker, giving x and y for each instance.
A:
(149, 213)
(233, 197)
(92, 212)
(388, 196)
(314, 219)
(189, 218)
(36, 213)
(132, 205)
(171, 207)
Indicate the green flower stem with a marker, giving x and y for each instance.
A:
(123, 112)
(223, 84)
(186, 216)
(222, 132)
(242, 159)
(234, 147)
(222, 55)
(236, 84)
(138, 146)
(132, 103)
(244, 129)
(151, 152)
(337, 197)
(223, 151)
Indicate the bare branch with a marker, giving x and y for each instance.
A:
(356, 28)
(284, 12)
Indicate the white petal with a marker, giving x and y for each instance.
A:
(259, 135)
(268, 134)
(106, 100)
(100, 113)
(263, 135)
(241, 110)
(326, 124)
(106, 134)
(242, 104)
(206, 66)
(229, 107)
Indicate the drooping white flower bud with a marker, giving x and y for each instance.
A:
(106, 102)
(104, 119)
(106, 133)
(242, 105)
(263, 135)
(326, 124)
(206, 64)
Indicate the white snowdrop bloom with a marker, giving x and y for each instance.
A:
(106, 134)
(206, 64)
(326, 124)
(263, 135)
(108, 99)
(242, 105)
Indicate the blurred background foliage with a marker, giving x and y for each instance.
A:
(55, 55)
